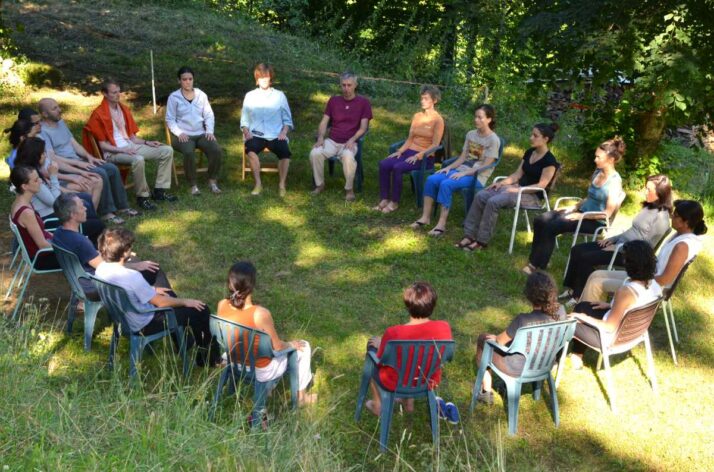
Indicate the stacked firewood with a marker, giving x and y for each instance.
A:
(700, 136)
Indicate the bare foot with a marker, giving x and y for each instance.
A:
(390, 208)
(307, 399)
(418, 224)
(381, 205)
(437, 231)
(408, 404)
(373, 408)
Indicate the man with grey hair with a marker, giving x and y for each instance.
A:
(347, 116)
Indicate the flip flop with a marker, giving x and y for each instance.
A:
(436, 232)
(417, 225)
(129, 212)
(462, 244)
(474, 246)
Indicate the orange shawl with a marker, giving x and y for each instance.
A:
(101, 127)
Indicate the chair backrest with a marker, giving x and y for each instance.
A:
(72, 269)
(540, 344)
(96, 152)
(242, 344)
(661, 241)
(620, 200)
(554, 180)
(116, 300)
(634, 324)
(669, 291)
(415, 362)
(16, 232)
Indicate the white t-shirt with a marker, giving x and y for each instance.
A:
(694, 245)
(138, 289)
(479, 149)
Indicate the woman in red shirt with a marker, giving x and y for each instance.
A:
(420, 300)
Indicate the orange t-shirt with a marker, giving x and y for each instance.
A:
(426, 130)
(244, 317)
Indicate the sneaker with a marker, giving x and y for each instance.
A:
(145, 204)
(452, 413)
(567, 293)
(350, 196)
(441, 407)
(195, 191)
(485, 397)
(570, 304)
(214, 189)
(256, 190)
(161, 195)
(318, 190)
(282, 191)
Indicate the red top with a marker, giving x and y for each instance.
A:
(25, 235)
(346, 115)
(436, 330)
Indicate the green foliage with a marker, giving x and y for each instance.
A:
(691, 169)
(40, 75)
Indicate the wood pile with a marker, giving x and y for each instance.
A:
(700, 136)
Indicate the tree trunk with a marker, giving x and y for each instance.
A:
(649, 130)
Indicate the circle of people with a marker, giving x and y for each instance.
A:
(61, 186)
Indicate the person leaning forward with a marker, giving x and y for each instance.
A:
(114, 128)
(348, 117)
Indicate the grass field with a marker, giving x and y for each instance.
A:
(330, 272)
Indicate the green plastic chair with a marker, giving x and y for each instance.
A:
(412, 379)
(238, 342)
(540, 345)
(117, 302)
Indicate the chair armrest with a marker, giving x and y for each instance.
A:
(283, 352)
(595, 215)
(373, 355)
(500, 347)
(499, 178)
(394, 146)
(432, 150)
(614, 255)
(565, 199)
(41, 251)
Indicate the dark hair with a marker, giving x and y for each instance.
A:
(110, 81)
(115, 243)
(420, 299)
(663, 189)
(183, 70)
(614, 148)
(640, 260)
(64, 205)
(692, 213)
(19, 176)
(29, 154)
(18, 130)
(547, 130)
(542, 292)
(27, 114)
(431, 90)
(490, 112)
(262, 69)
(241, 282)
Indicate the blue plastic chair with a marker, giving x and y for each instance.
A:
(470, 192)
(73, 271)
(418, 176)
(117, 302)
(428, 356)
(540, 345)
(359, 175)
(238, 342)
(25, 269)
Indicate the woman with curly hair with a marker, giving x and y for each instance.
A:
(542, 293)
(638, 290)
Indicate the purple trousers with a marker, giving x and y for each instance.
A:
(391, 171)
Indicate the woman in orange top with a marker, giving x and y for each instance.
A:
(426, 131)
(239, 308)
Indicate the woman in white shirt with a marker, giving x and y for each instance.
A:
(190, 119)
(265, 122)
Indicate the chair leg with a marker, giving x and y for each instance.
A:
(598, 364)
(25, 282)
(364, 386)
(608, 378)
(260, 393)
(513, 392)
(385, 418)
(671, 317)
(486, 357)
(561, 365)
(90, 317)
(650, 363)
(183, 351)
(669, 331)
(20, 270)
(71, 313)
(294, 384)
(113, 345)
(554, 400)
(513, 232)
(537, 388)
(433, 417)
(135, 348)
(221, 383)
(528, 221)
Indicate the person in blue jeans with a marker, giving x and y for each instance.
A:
(474, 164)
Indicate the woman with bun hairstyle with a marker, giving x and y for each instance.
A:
(240, 308)
(536, 170)
(603, 193)
(688, 222)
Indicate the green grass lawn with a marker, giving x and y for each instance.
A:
(330, 272)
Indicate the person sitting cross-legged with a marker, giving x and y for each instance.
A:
(420, 299)
(115, 248)
(114, 128)
(240, 308)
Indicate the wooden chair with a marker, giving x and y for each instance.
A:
(181, 171)
(243, 346)
(412, 379)
(539, 344)
(633, 330)
(267, 167)
(124, 169)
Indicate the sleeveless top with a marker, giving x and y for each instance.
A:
(643, 295)
(27, 240)
(597, 196)
(244, 317)
(694, 245)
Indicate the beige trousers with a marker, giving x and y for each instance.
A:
(602, 282)
(328, 149)
(164, 154)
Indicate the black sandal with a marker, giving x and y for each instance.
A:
(417, 225)
(461, 245)
(474, 246)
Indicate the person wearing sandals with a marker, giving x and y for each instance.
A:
(240, 308)
(479, 152)
(426, 131)
(73, 158)
(638, 290)
(688, 222)
(603, 193)
(537, 169)
(420, 300)
(650, 224)
(190, 120)
(265, 121)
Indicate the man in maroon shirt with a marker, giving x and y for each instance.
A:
(347, 116)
